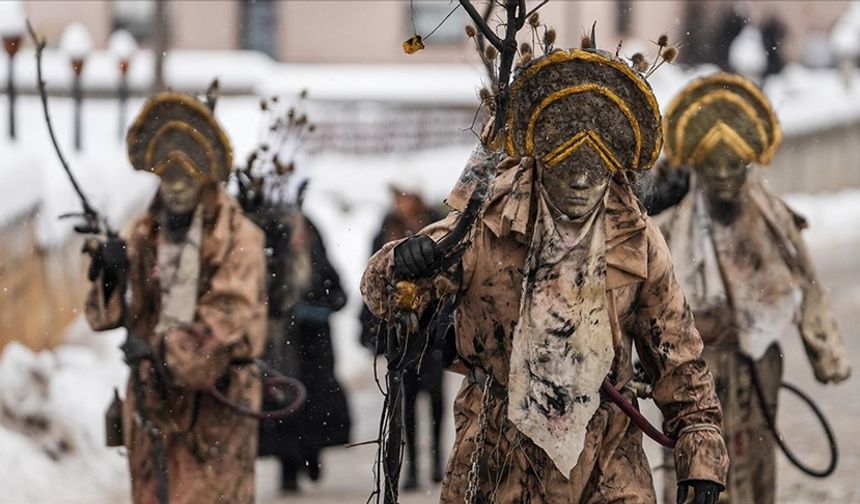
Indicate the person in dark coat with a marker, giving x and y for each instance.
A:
(773, 32)
(301, 347)
(408, 215)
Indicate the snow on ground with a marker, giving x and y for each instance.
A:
(52, 407)
(832, 217)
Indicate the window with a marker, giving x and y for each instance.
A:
(259, 26)
(427, 14)
(135, 16)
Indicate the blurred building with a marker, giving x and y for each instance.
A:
(371, 31)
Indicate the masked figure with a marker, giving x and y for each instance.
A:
(741, 260)
(195, 312)
(564, 275)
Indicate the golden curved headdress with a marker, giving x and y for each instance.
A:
(584, 102)
(721, 109)
(179, 129)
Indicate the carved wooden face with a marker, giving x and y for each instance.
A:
(577, 184)
(179, 190)
(723, 173)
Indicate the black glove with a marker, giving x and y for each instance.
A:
(704, 492)
(415, 257)
(135, 349)
(111, 258)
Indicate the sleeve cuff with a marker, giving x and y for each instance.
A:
(701, 455)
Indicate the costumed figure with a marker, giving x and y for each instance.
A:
(408, 215)
(563, 275)
(304, 290)
(195, 312)
(744, 267)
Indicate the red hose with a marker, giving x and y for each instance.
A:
(634, 414)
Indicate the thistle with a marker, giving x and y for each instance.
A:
(549, 39)
(640, 64)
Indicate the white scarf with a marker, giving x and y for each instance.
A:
(562, 343)
(765, 300)
(179, 274)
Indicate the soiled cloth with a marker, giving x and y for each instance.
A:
(562, 342)
(645, 307)
(771, 282)
(210, 450)
(179, 269)
(751, 285)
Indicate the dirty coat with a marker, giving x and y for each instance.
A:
(210, 450)
(646, 309)
(767, 292)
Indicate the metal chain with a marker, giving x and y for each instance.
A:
(472, 488)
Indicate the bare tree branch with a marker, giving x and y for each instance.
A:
(521, 14)
(537, 8)
(507, 53)
(88, 210)
(482, 25)
(482, 45)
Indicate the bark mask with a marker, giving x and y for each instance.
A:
(583, 115)
(177, 134)
(721, 123)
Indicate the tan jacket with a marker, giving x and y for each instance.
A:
(210, 450)
(646, 309)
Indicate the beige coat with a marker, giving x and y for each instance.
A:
(774, 293)
(210, 450)
(646, 309)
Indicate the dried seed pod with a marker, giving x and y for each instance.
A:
(663, 40)
(525, 47)
(587, 42)
(303, 94)
(264, 105)
(470, 31)
(640, 64)
(534, 20)
(491, 53)
(549, 37)
(485, 95)
(275, 99)
(669, 54)
(525, 58)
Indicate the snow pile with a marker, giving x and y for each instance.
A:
(845, 37)
(33, 177)
(76, 41)
(832, 217)
(12, 19)
(22, 175)
(52, 407)
(808, 100)
(122, 44)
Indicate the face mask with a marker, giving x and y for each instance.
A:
(723, 173)
(179, 190)
(577, 184)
